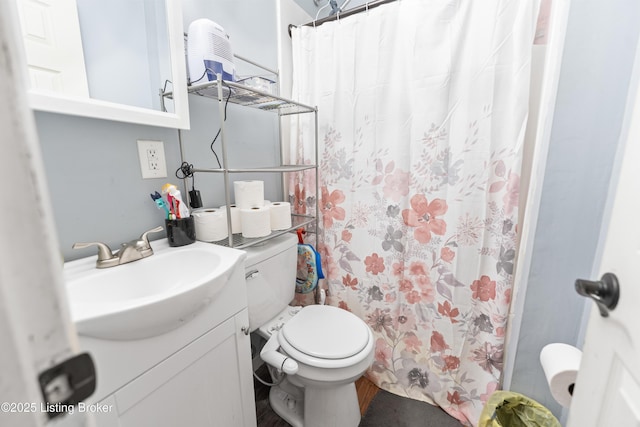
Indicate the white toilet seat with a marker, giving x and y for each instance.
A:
(324, 336)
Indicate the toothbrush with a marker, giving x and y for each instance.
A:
(177, 207)
(160, 203)
(171, 205)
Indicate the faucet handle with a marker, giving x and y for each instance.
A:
(104, 251)
(143, 242)
(144, 235)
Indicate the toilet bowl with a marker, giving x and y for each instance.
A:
(331, 348)
(322, 349)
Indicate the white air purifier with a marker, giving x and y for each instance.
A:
(208, 52)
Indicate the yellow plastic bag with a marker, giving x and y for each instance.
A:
(510, 409)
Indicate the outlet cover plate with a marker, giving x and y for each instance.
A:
(152, 160)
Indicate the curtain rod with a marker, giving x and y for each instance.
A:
(353, 11)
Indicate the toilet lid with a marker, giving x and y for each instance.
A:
(326, 332)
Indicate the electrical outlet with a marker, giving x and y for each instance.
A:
(152, 161)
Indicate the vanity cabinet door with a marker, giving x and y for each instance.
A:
(207, 383)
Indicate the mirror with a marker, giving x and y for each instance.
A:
(106, 59)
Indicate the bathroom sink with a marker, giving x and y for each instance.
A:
(147, 297)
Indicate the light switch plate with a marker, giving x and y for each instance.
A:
(152, 161)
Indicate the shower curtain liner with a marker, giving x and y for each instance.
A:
(422, 113)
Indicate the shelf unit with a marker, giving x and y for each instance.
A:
(235, 93)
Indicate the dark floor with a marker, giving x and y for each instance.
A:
(385, 409)
(264, 414)
(388, 409)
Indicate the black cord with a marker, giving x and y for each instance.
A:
(280, 377)
(186, 170)
(201, 77)
(225, 116)
(220, 130)
(206, 70)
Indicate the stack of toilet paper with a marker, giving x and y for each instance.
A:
(251, 215)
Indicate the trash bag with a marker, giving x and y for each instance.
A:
(510, 409)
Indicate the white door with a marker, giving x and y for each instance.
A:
(53, 46)
(607, 390)
(35, 328)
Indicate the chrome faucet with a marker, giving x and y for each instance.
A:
(128, 252)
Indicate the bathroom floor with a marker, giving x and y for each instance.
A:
(378, 408)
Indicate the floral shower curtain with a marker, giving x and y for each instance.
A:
(422, 113)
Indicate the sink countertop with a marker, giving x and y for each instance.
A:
(150, 296)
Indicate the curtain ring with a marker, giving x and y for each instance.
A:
(318, 14)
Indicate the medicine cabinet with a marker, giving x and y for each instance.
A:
(109, 60)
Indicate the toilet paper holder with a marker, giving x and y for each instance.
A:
(605, 292)
(560, 363)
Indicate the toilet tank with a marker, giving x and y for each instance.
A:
(271, 277)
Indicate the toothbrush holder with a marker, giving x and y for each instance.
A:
(181, 231)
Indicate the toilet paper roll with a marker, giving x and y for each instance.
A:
(280, 213)
(249, 194)
(236, 222)
(560, 363)
(256, 221)
(211, 224)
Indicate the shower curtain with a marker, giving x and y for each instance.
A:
(422, 113)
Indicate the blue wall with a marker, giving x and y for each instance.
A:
(597, 64)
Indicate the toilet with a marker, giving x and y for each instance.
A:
(321, 349)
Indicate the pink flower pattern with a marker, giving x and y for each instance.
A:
(437, 338)
(417, 268)
(445, 309)
(412, 343)
(396, 185)
(437, 342)
(512, 194)
(446, 254)
(423, 215)
(484, 289)
(349, 281)
(374, 263)
(405, 285)
(330, 209)
(451, 363)
(398, 268)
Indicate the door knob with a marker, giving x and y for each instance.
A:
(605, 292)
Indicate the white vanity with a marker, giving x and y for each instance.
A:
(197, 370)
